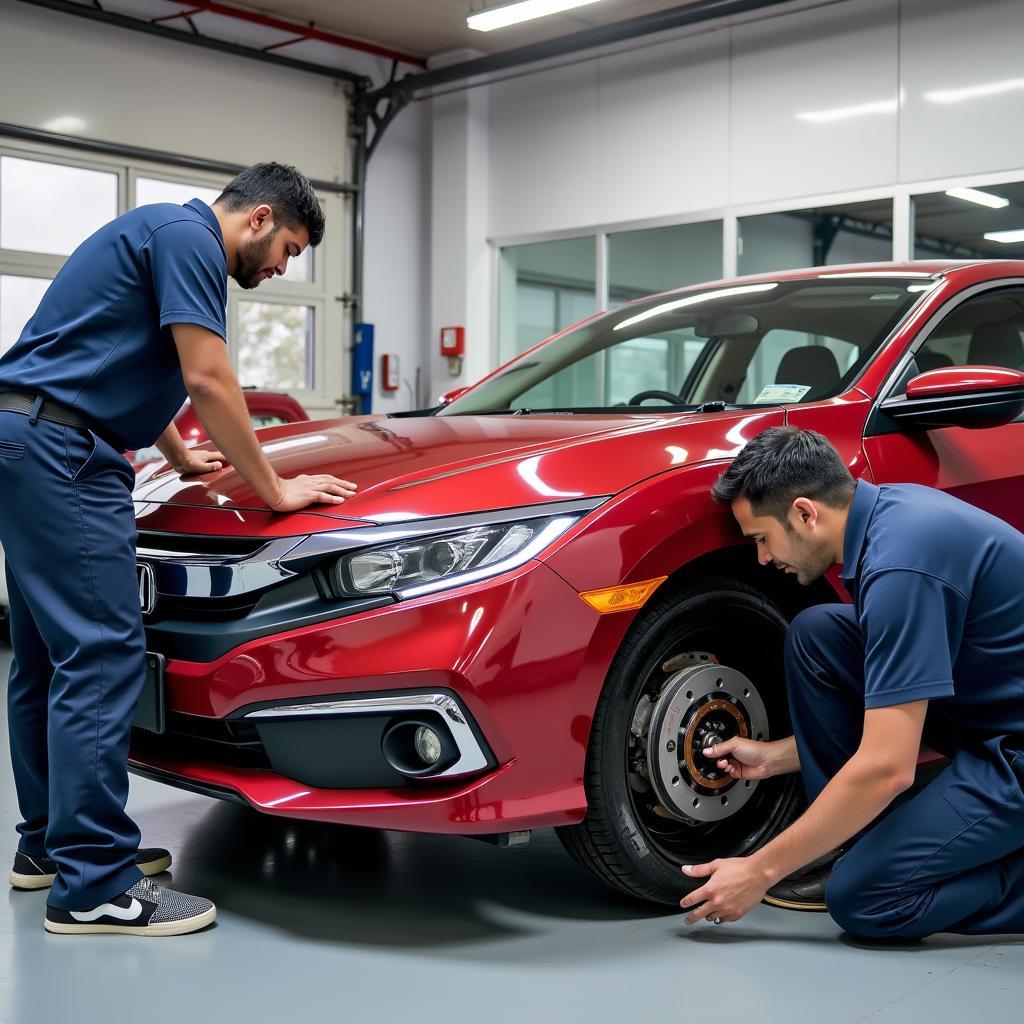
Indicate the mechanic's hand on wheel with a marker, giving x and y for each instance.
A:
(300, 491)
(743, 758)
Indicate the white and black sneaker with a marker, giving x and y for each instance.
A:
(145, 909)
(40, 872)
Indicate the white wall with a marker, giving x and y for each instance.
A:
(397, 291)
(134, 89)
(713, 120)
(707, 121)
(125, 87)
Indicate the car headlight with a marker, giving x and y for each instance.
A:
(422, 565)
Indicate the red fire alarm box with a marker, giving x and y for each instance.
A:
(453, 341)
(389, 372)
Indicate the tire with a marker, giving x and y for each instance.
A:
(623, 840)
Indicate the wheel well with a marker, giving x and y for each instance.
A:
(740, 562)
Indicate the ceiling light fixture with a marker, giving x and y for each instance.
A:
(522, 10)
(974, 195)
(65, 124)
(973, 92)
(1016, 235)
(858, 110)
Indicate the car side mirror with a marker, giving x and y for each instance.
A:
(959, 396)
(449, 396)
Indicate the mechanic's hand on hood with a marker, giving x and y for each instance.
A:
(300, 491)
(195, 463)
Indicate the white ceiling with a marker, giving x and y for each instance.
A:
(424, 28)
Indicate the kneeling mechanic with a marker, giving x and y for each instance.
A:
(932, 645)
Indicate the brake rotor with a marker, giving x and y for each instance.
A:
(699, 707)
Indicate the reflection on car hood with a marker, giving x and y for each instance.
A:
(409, 468)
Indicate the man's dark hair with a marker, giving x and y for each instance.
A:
(782, 464)
(284, 189)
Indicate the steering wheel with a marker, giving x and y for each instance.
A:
(665, 396)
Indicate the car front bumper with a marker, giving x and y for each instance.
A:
(515, 656)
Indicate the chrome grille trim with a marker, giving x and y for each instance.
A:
(186, 574)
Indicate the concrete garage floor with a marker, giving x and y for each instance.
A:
(328, 923)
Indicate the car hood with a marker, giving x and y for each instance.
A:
(416, 467)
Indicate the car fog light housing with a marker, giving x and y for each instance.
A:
(428, 745)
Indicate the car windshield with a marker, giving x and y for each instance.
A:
(763, 343)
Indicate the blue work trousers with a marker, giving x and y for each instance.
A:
(68, 530)
(949, 859)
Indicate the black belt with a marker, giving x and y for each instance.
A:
(16, 401)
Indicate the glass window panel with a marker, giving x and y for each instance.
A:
(300, 268)
(52, 208)
(717, 344)
(275, 345)
(766, 363)
(817, 237)
(266, 419)
(564, 271)
(954, 227)
(19, 297)
(659, 259)
(987, 330)
(157, 190)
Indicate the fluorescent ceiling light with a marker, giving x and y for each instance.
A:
(1016, 235)
(692, 300)
(65, 124)
(858, 110)
(973, 92)
(974, 195)
(523, 10)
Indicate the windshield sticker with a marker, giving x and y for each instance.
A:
(781, 394)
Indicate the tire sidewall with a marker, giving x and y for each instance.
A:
(607, 757)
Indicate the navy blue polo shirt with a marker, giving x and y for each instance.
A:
(100, 341)
(937, 587)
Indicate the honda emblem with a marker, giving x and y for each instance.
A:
(147, 587)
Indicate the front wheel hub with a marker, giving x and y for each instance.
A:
(700, 707)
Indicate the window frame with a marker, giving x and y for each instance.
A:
(329, 312)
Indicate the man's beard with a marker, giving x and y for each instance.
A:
(250, 263)
(813, 562)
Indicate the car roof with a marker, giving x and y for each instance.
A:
(909, 268)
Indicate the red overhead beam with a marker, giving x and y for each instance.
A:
(301, 32)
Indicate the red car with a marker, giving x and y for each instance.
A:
(533, 614)
(266, 409)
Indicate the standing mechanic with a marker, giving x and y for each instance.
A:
(133, 322)
(935, 627)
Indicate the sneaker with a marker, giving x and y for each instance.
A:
(40, 872)
(145, 909)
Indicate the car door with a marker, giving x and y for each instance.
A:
(984, 326)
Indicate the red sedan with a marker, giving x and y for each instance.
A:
(533, 614)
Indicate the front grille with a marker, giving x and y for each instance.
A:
(200, 543)
(233, 743)
(199, 609)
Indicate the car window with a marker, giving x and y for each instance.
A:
(266, 419)
(797, 359)
(753, 343)
(986, 330)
